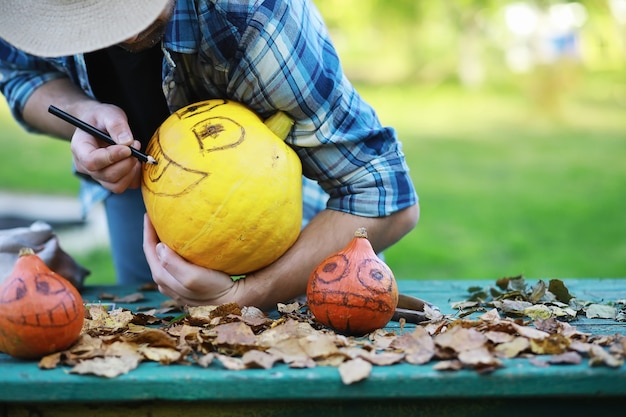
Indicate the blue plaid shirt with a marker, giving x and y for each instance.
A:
(270, 55)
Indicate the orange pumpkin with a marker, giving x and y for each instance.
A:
(40, 311)
(353, 291)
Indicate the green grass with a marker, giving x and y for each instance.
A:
(508, 185)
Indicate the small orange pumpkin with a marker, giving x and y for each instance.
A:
(40, 311)
(353, 291)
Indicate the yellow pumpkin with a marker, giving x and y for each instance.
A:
(226, 192)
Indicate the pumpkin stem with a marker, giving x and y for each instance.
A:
(26, 251)
(361, 232)
(280, 124)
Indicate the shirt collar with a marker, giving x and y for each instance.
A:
(183, 30)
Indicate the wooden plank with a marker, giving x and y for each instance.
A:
(22, 381)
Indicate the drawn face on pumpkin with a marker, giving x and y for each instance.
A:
(46, 297)
(210, 134)
(371, 274)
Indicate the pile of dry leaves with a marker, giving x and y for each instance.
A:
(116, 341)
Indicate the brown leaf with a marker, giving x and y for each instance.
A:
(383, 358)
(130, 298)
(164, 356)
(497, 337)
(601, 311)
(291, 352)
(418, 346)
(151, 337)
(448, 365)
(86, 347)
(600, 357)
(513, 348)
(567, 358)
(460, 339)
(50, 361)
(558, 288)
(618, 347)
(512, 307)
(580, 347)
(107, 322)
(230, 363)
(108, 367)
(289, 308)
(200, 315)
(491, 315)
(285, 330)
(205, 360)
(478, 357)
(551, 345)
(254, 317)
(354, 370)
(319, 345)
(120, 348)
(234, 337)
(529, 332)
(381, 338)
(259, 359)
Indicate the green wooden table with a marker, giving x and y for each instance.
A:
(518, 389)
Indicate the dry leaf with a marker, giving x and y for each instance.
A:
(130, 298)
(479, 357)
(50, 361)
(354, 370)
(290, 351)
(165, 356)
(259, 359)
(205, 360)
(318, 345)
(448, 365)
(513, 348)
(108, 367)
(600, 311)
(418, 346)
(382, 358)
(568, 358)
(551, 345)
(600, 357)
(460, 339)
(230, 363)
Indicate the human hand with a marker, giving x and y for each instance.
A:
(110, 165)
(185, 282)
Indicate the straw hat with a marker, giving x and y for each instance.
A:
(53, 28)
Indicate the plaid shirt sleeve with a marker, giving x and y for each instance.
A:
(20, 75)
(278, 55)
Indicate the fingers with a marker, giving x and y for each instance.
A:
(185, 282)
(111, 165)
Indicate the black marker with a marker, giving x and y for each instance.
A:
(98, 133)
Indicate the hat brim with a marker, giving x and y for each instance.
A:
(52, 28)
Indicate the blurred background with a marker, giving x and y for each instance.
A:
(511, 115)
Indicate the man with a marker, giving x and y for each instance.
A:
(123, 66)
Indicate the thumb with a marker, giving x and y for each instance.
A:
(122, 136)
(116, 124)
(161, 251)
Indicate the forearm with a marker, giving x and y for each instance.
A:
(61, 93)
(326, 234)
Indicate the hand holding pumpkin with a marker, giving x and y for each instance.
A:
(181, 280)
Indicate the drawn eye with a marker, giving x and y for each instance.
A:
(15, 291)
(47, 284)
